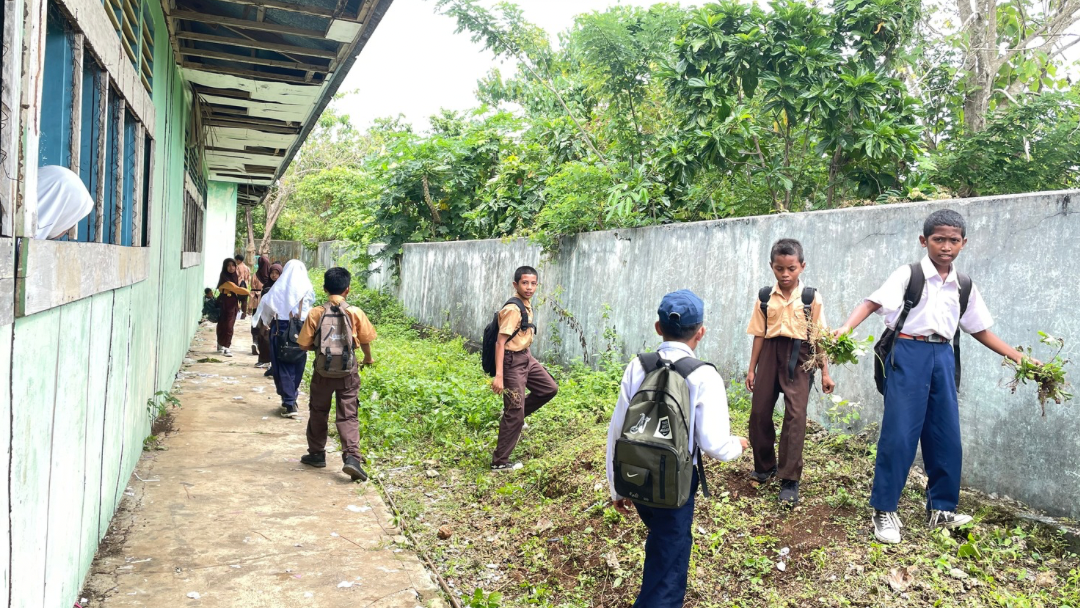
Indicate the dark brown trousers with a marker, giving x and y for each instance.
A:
(772, 379)
(521, 372)
(322, 393)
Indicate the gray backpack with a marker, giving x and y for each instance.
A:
(334, 357)
(653, 464)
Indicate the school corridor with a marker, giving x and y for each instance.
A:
(225, 515)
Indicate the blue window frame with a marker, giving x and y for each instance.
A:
(88, 144)
(56, 100)
(65, 51)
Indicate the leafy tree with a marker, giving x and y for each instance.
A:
(1033, 145)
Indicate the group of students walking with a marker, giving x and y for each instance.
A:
(286, 325)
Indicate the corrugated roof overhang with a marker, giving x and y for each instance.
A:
(264, 70)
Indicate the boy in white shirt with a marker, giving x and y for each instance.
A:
(667, 547)
(920, 377)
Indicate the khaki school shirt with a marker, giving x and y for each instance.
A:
(363, 330)
(786, 316)
(510, 321)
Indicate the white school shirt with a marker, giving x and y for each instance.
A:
(938, 312)
(708, 417)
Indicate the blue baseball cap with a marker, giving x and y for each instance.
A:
(681, 308)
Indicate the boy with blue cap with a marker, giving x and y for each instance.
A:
(667, 547)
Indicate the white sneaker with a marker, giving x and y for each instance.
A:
(887, 526)
(225, 352)
(946, 519)
(219, 349)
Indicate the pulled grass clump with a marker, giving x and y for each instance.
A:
(1049, 376)
(826, 347)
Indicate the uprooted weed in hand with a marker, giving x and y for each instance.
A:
(826, 347)
(1049, 376)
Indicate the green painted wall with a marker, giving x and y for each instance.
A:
(81, 375)
(220, 230)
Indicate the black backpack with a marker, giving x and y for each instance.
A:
(288, 347)
(912, 296)
(491, 335)
(808, 293)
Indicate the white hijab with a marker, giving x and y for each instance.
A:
(292, 291)
(62, 201)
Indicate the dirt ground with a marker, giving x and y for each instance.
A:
(220, 512)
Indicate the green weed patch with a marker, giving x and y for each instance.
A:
(546, 535)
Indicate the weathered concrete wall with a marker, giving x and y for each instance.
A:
(284, 251)
(1018, 255)
(220, 234)
(344, 253)
(81, 375)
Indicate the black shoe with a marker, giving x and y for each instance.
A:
(268, 372)
(353, 469)
(789, 492)
(314, 460)
(290, 412)
(763, 477)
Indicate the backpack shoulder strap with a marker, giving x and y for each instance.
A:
(912, 294)
(763, 296)
(687, 365)
(808, 295)
(915, 285)
(525, 324)
(649, 361)
(965, 291)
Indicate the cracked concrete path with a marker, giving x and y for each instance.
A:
(227, 511)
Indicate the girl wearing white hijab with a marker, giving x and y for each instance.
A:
(62, 201)
(291, 298)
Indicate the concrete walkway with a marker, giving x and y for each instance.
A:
(227, 512)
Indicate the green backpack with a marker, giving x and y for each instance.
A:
(653, 464)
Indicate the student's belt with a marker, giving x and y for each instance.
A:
(934, 338)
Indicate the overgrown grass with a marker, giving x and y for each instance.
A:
(545, 536)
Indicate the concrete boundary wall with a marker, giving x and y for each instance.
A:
(1019, 255)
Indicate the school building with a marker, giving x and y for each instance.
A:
(173, 113)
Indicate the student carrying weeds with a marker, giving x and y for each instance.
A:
(920, 379)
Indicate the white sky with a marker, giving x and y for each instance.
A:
(414, 64)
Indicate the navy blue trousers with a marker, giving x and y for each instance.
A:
(920, 406)
(667, 553)
(287, 376)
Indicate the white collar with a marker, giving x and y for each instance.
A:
(676, 346)
(929, 271)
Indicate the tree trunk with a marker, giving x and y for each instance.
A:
(981, 58)
(274, 206)
(834, 171)
(250, 234)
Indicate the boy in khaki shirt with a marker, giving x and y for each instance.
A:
(517, 371)
(781, 349)
(336, 283)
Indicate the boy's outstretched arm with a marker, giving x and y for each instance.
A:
(990, 340)
(861, 312)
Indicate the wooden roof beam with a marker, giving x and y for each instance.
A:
(216, 69)
(257, 44)
(243, 124)
(260, 26)
(274, 63)
(287, 6)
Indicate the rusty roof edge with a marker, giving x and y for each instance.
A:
(374, 17)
